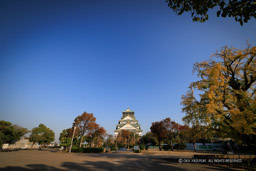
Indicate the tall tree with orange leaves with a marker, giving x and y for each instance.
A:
(86, 124)
(97, 136)
(172, 129)
(160, 131)
(224, 98)
(123, 138)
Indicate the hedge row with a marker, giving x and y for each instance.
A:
(87, 150)
(179, 146)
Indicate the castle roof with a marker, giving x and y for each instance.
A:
(128, 110)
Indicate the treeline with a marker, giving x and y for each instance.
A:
(86, 134)
(10, 133)
(169, 135)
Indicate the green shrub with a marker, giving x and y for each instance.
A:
(142, 146)
(120, 146)
(179, 146)
(113, 149)
(167, 147)
(93, 150)
(136, 151)
(76, 149)
(65, 144)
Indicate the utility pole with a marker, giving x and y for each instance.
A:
(72, 139)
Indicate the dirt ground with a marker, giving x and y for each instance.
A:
(28, 160)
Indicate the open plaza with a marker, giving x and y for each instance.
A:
(50, 159)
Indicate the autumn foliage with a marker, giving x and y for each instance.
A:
(86, 124)
(86, 130)
(165, 130)
(126, 138)
(224, 98)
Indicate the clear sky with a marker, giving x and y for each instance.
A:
(61, 58)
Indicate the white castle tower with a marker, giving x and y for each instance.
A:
(128, 122)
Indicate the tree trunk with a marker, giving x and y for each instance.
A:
(229, 146)
(194, 144)
(81, 141)
(159, 145)
(171, 146)
(128, 143)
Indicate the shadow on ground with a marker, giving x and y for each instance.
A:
(92, 166)
(120, 162)
(39, 167)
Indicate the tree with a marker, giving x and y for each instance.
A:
(97, 136)
(10, 133)
(241, 10)
(109, 141)
(86, 124)
(42, 135)
(167, 131)
(172, 129)
(133, 139)
(66, 136)
(127, 138)
(149, 139)
(195, 133)
(227, 101)
(184, 133)
(160, 131)
(123, 138)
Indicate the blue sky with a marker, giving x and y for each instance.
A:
(61, 58)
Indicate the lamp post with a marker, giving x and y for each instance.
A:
(72, 139)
